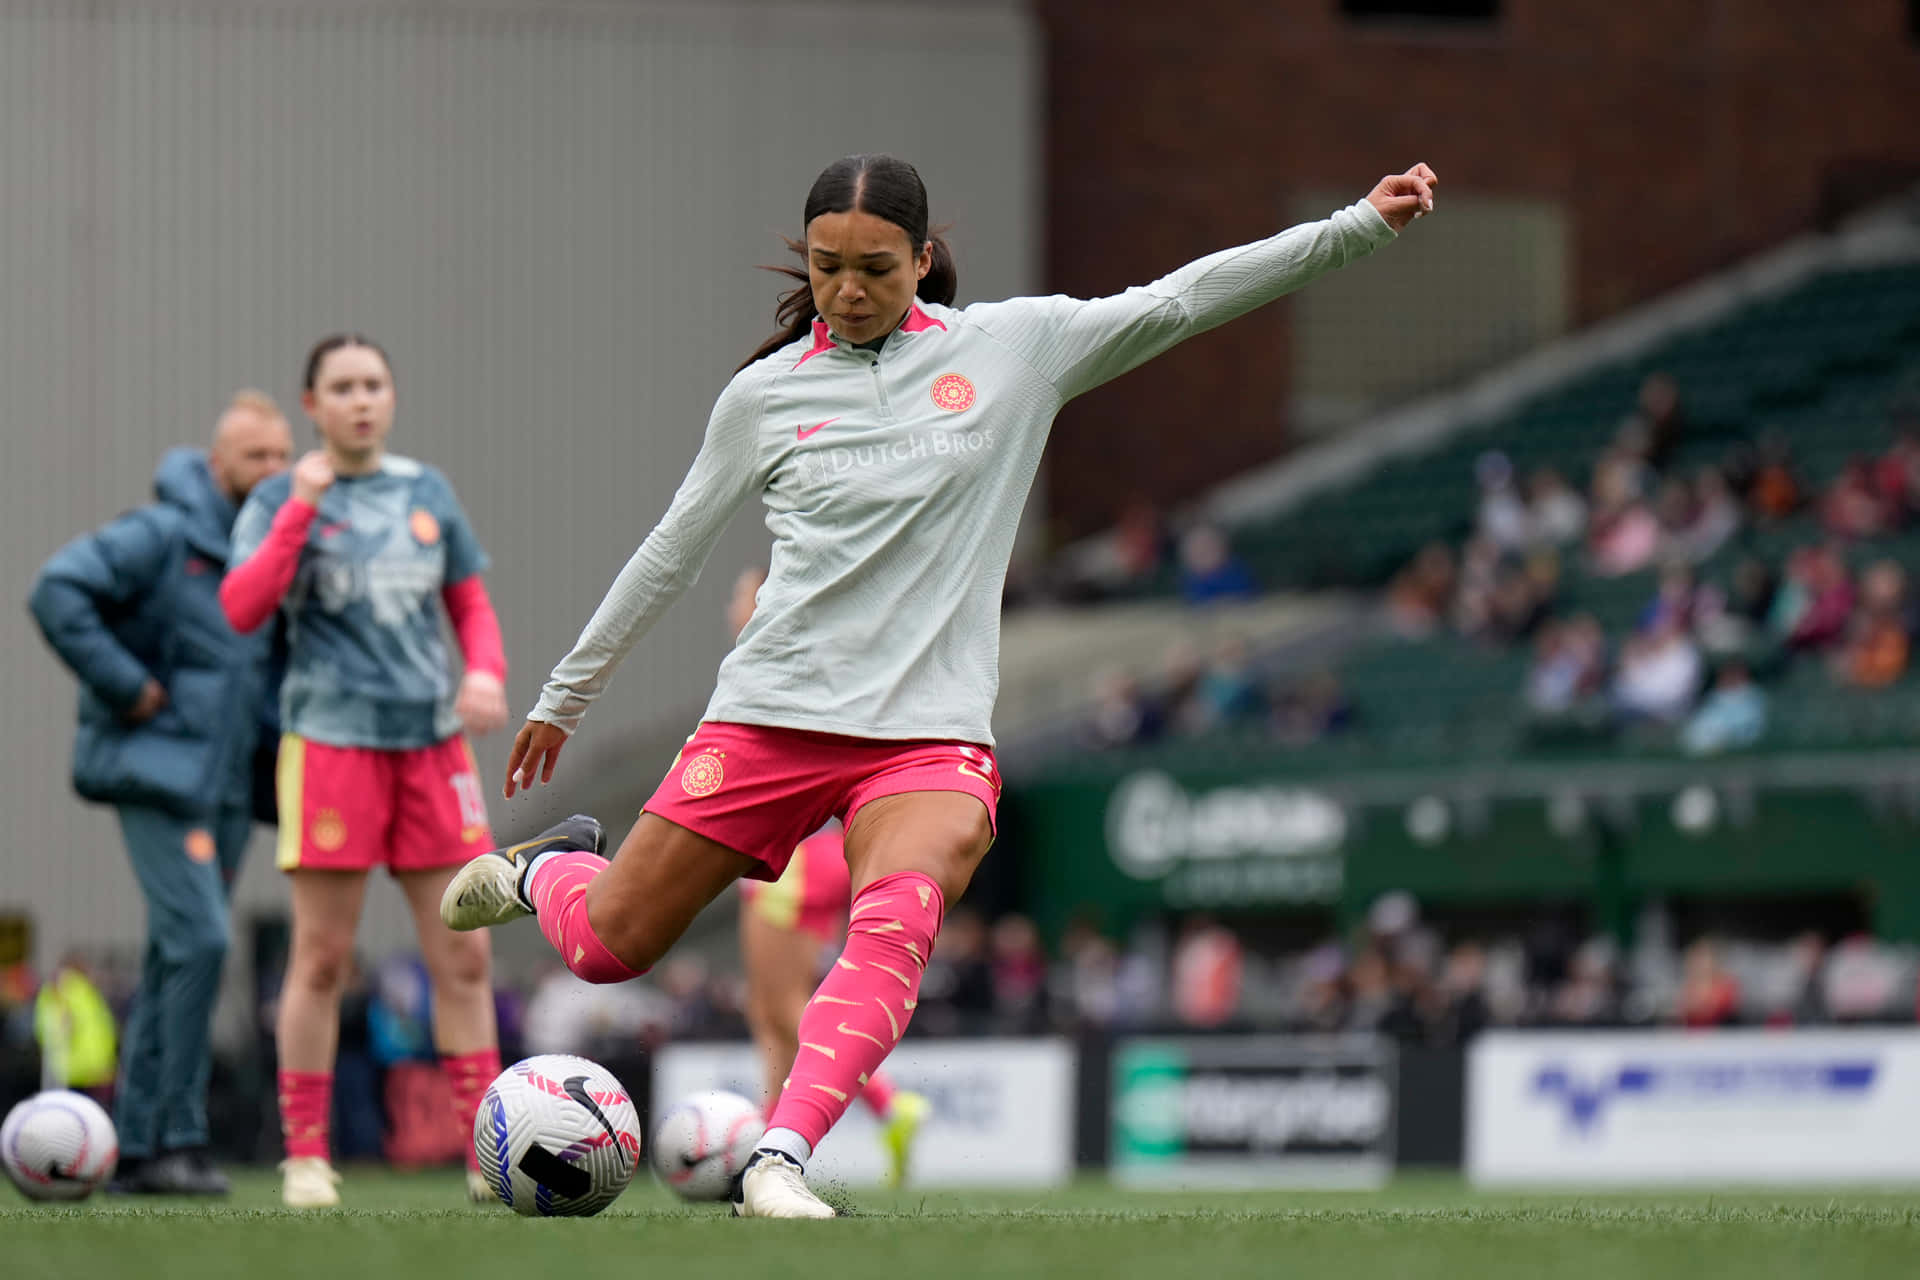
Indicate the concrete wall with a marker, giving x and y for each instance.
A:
(550, 213)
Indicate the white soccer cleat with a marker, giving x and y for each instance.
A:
(309, 1182)
(773, 1186)
(482, 894)
(489, 889)
(479, 1190)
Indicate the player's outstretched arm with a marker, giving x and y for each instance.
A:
(1078, 344)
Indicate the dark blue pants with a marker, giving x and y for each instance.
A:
(166, 1053)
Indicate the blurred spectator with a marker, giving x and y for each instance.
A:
(1312, 710)
(1622, 534)
(76, 1031)
(1589, 997)
(1556, 515)
(956, 991)
(1089, 977)
(1569, 666)
(1208, 965)
(1474, 590)
(1659, 675)
(1896, 475)
(1322, 998)
(1122, 713)
(1461, 1006)
(1729, 622)
(1807, 1002)
(1713, 517)
(1852, 506)
(1709, 995)
(1661, 417)
(1815, 602)
(1861, 982)
(1209, 570)
(1141, 542)
(1180, 675)
(1417, 597)
(1673, 600)
(1502, 518)
(1874, 654)
(1773, 490)
(1733, 715)
(1227, 693)
(1019, 976)
(1521, 595)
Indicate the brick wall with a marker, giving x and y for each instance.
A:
(1678, 135)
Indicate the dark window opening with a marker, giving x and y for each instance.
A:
(1439, 10)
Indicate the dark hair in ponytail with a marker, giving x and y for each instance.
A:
(886, 187)
(335, 342)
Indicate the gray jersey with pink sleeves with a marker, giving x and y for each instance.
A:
(893, 482)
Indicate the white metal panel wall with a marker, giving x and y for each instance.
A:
(549, 213)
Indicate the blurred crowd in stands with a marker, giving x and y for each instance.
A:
(1751, 571)
(1720, 622)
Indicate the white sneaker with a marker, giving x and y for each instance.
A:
(309, 1182)
(479, 1190)
(487, 891)
(773, 1186)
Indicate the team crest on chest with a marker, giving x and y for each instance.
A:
(952, 392)
(426, 529)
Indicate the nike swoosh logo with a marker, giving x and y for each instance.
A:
(804, 432)
(576, 1087)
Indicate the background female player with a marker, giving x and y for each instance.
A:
(359, 546)
(786, 929)
(893, 441)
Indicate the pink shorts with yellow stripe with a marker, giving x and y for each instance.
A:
(811, 894)
(760, 791)
(356, 808)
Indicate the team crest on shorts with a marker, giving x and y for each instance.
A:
(703, 775)
(328, 832)
(200, 845)
(952, 392)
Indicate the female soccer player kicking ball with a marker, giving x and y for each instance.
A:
(786, 930)
(361, 548)
(892, 439)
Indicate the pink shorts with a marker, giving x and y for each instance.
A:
(356, 808)
(760, 790)
(811, 894)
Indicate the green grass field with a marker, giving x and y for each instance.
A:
(416, 1225)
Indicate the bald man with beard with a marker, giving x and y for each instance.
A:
(171, 703)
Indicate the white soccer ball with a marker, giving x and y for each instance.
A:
(58, 1145)
(557, 1137)
(703, 1142)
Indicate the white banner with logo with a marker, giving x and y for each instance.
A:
(1672, 1106)
(1003, 1110)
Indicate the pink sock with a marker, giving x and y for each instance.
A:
(468, 1075)
(558, 891)
(878, 1095)
(857, 1016)
(306, 1099)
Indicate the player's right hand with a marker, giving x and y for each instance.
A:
(312, 476)
(152, 700)
(536, 749)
